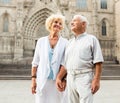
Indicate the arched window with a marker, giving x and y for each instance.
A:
(5, 1)
(81, 4)
(103, 4)
(104, 30)
(5, 22)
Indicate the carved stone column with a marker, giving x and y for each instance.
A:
(95, 16)
(18, 53)
(117, 20)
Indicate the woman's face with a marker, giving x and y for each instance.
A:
(56, 25)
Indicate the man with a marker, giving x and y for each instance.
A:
(82, 56)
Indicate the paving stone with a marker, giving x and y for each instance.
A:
(18, 91)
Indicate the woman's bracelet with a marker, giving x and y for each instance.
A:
(34, 76)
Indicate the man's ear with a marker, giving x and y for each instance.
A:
(83, 24)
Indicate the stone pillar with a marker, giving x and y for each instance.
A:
(95, 17)
(117, 18)
(18, 53)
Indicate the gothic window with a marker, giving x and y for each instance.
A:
(5, 23)
(104, 31)
(5, 1)
(103, 4)
(81, 4)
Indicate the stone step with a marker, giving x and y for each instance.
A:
(109, 72)
(110, 77)
(14, 70)
(15, 77)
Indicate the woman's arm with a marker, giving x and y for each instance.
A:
(33, 78)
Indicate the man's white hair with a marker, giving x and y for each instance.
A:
(82, 19)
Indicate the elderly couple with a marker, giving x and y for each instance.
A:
(66, 71)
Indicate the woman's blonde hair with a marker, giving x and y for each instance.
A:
(51, 19)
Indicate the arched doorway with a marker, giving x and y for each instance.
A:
(34, 29)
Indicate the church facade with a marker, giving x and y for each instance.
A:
(22, 24)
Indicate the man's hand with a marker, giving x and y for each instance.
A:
(95, 85)
(96, 81)
(60, 84)
(33, 86)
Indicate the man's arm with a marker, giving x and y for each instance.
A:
(96, 79)
(60, 80)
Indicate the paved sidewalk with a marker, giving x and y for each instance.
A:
(109, 92)
(18, 91)
(15, 91)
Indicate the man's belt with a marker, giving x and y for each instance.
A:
(78, 71)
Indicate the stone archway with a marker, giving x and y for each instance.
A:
(34, 29)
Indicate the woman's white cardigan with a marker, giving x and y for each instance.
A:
(41, 59)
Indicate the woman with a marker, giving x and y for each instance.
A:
(46, 62)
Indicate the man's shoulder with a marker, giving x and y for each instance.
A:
(92, 36)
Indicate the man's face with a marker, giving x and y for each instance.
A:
(77, 25)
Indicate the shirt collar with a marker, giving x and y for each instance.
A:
(80, 35)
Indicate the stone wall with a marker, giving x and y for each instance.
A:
(26, 20)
